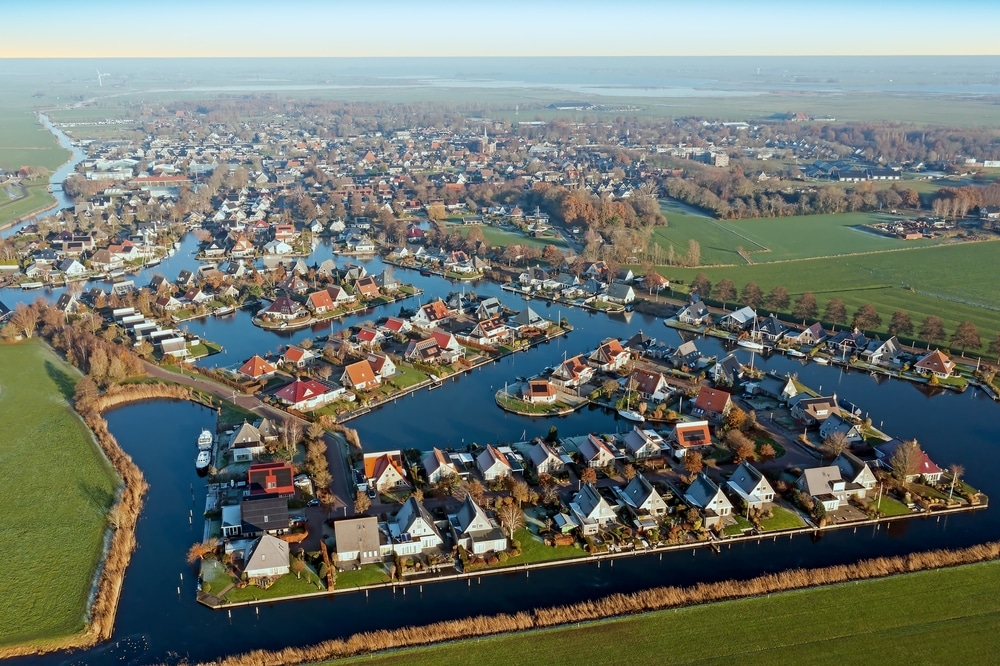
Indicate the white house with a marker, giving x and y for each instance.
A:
(412, 530)
(473, 530)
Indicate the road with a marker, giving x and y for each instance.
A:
(336, 447)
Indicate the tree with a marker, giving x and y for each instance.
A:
(200, 550)
(552, 256)
(608, 387)
(805, 306)
(361, 502)
(315, 431)
(932, 329)
(836, 311)
(752, 295)
(436, 211)
(866, 317)
(778, 299)
(905, 460)
(511, 517)
(694, 253)
(84, 394)
(834, 444)
(476, 491)
(767, 452)
(995, 345)
(520, 492)
(588, 475)
(702, 285)
(735, 419)
(725, 291)
(693, 462)
(24, 320)
(966, 336)
(901, 324)
(298, 566)
(628, 471)
(956, 472)
(742, 446)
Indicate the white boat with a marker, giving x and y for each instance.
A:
(205, 439)
(203, 460)
(795, 353)
(750, 344)
(223, 311)
(822, 360)
(631, 415)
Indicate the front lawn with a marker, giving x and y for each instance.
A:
(407, 376)
(741, 525)
(890, 507)
(533, 550)
(370, 574)
(286, 586)
(781, 519)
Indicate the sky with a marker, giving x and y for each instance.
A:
(439, 28)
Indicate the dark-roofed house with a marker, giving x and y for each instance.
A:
(709, 499)
(780, 388)
(643, 502)
(246, 443)
(595, 452)
(539, 392)
(473, 530)
(5, 312)
(771, 330)
(882, 352)
(649, 385)
(827, 486)
(807, 336)
(687, 355)
(855, 471)
(811, 412)
(527, 318)
(437, 466)
(493, 464)
(545, 459)
(274, 478)
(729, 371)
(694, 313)
(357, 540)
(412, 530)
(853, 432)
(264, 514)
(712, 404)
(591, 511)
(642, 444)
(751, 486)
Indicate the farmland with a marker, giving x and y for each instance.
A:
(54, 505)
(927, 617)
(23, 141)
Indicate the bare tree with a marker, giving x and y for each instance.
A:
(511, 517)
(905, 460)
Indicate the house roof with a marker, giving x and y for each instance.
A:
(376, 464)
(646, 382)
(436, 459)
(263, 513)
(527, 317)
(748, 478)
(711, 400)
(270, 478)
(356, 534)
(638, 491)
(360, 373)
(283, 305)
(395, 324)
(819, 481)
(541, 452)
(411, 512)
(300, 390)
(590, 501)
(320, 299)
(256, 367)
(435, 310)
(471, 519)
(539, 388)
(490, 457)
(594, 447)
(266, 553)
(703, 492)
(296, 354)
(692, 433)
(246, 434)
(936, 362)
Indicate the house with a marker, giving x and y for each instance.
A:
(591, 511)
(257, 368)
(72, 268)
(690, 436)
(360, 376)
(644, 444)
(687, 355)
(596, 453)
(369, 338)
(489, 308)
(649, 385)
(728, 372)
(826, 486)
(712, 404)
(739, 320)
(283, 308)
(855, 471)
(811, 412)
(610, 356)
(396, 326)
(620, 293)
(167, 303)
(642, 501)
(545, 459)
(382, 365)
(779, 388)
(847, 343)
(274, 478)
(264, 514)
(572, 373)
(879, 352)
(437, 466)
(771, 330)
(340, 296)
(412, 530)
(935, 364)
(232, 521)
(246, 443)
(852, 432)
(809, 336)
(490, 332)
(473, 530)
(297, 357)
(924, 467)
(266, 558)
(751, 486)
(425, 351)
(431, 314)
(386, 471)
(305, 395)
(268, 430)
(527, 318)
(640, 344)
(539, 392)
(695, 313)
(493, 464)
(68, 303)
(357, 540)
(709, 499)
(320, 301)
(366, 288)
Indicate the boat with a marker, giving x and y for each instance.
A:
(223, 311)
(203, 460)
(795, 353)
(205, 440)
(822, 360)
(631, 415)
(153, 262)
(747, 343)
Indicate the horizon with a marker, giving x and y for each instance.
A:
(114, 29)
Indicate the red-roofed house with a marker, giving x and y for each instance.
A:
(539, 392)
(386, 471)
(283, 308)
(936, 363)
(690, 436)
(275, 478)
(298, 357)
(320, 302)
(649, 385)
(446, 341)
(382, 365)
(360, 376)
(305, 394)
(366, 287)
(431, 314)
(712, 404)
(610, 356)
(257, 368)
(395, 325)
(369, 338)
(573, 373)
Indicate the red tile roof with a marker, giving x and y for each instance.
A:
(256, 367)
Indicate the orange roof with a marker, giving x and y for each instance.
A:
(360, 373)
(256, 367)
(711, 400)
(376, 464)
(436, 310)
(936, 361)
(300, 390)
(320, 299)
(541, 388)
(294, 354)
(693, 434)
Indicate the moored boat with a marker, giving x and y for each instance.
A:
(223, 311)
(750, 344)
(205, 440)
(203, 460)
(631, 415)
(822, 360)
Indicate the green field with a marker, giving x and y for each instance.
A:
(23, 141)
(500, 238)
(931, 617)
(775, 238)
(955, 282)
(58, 487)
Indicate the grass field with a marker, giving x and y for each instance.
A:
(38, 198)
(57, 489)
(24, 141)
(955, 282)
(776, 238)
(947, 615)
(500, 238)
